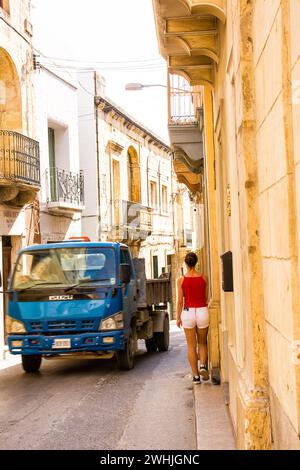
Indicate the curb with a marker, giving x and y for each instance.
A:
(212, 421)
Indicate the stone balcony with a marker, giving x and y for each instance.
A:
(19, 169)
(132, 221)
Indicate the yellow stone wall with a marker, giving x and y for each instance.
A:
(253, 196)
(276, 60)
(242, 329)
(16, 69)
(256, 122)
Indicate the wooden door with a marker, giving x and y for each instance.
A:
(6, 268)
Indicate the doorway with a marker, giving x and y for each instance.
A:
(10, 248)
(6, 269)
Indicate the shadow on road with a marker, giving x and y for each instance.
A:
(79, 368)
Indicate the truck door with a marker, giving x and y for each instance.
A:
(130, 294)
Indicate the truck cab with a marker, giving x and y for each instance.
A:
(80, 298)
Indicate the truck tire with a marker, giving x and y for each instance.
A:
(31, 364)
(125, 359)
(151, 345)
(163, 339)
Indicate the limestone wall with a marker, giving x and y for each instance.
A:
(276, 61)
(256, 121)
(16, 65)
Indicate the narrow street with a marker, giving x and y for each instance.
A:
(80, 404)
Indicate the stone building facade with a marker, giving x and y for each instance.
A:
(246, 56)
(19, 149)
(133, 193)
(62, 188)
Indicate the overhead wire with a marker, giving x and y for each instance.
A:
(82, 67)
(89, 61)
(50, 62)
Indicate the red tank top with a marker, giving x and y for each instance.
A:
(194, 289)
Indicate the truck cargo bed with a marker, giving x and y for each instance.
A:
(158, 291)
(151, 292)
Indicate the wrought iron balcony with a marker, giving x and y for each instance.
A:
(185, 103)
(19, 159)
(132, 220)
(186, 130)
(65, 189)
(186, 238)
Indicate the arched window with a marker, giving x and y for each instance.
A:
(134, 176)
(10, 95)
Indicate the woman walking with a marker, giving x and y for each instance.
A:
(192, 314)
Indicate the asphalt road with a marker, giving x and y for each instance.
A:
(90, 404)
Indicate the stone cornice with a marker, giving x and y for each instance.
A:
(115, 146)
(108, 107)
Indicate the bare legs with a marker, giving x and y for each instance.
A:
(191, 339)
(196, 344)
(202, 345)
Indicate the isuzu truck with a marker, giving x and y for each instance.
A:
(85, 299)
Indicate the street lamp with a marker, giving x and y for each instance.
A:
(140, 86)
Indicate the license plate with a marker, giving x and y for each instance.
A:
(62, 344)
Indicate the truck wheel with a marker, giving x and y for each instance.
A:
(163, 339)
(151, 345)
(31, 364)
(125, 359)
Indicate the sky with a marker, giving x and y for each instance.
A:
(117, 32)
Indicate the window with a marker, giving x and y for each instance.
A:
(169, 262)
(125, 259)
(153, 194)
(188, 236)
(155, 267)
(164, 193)
(52, 165)
(116, 189)
(64, 266)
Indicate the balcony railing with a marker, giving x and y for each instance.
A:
(65, 187)
(19, 158)
(132, 220)
(184, 102)
(186, 237)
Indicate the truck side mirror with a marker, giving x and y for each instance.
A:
(125, 273)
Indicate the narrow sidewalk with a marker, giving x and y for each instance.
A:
(213, 424)
(9, 361)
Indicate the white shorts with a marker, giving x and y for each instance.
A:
(195, 317)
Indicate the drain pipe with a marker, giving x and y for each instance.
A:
(98, 159)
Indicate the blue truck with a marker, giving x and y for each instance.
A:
(80, 298)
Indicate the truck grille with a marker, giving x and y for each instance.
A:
(87, 324)
(83, 325)
(61, 325)
(36, 325)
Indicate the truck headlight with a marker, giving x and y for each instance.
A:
(115, 322)
(16, 327)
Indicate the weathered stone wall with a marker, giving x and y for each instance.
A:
(257, 128)
(16, 76)
(243, 324)
(276, 58)
(17, 113)
(253, 178)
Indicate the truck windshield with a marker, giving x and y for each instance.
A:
(65, 267)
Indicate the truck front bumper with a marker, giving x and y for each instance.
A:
(110, 341)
